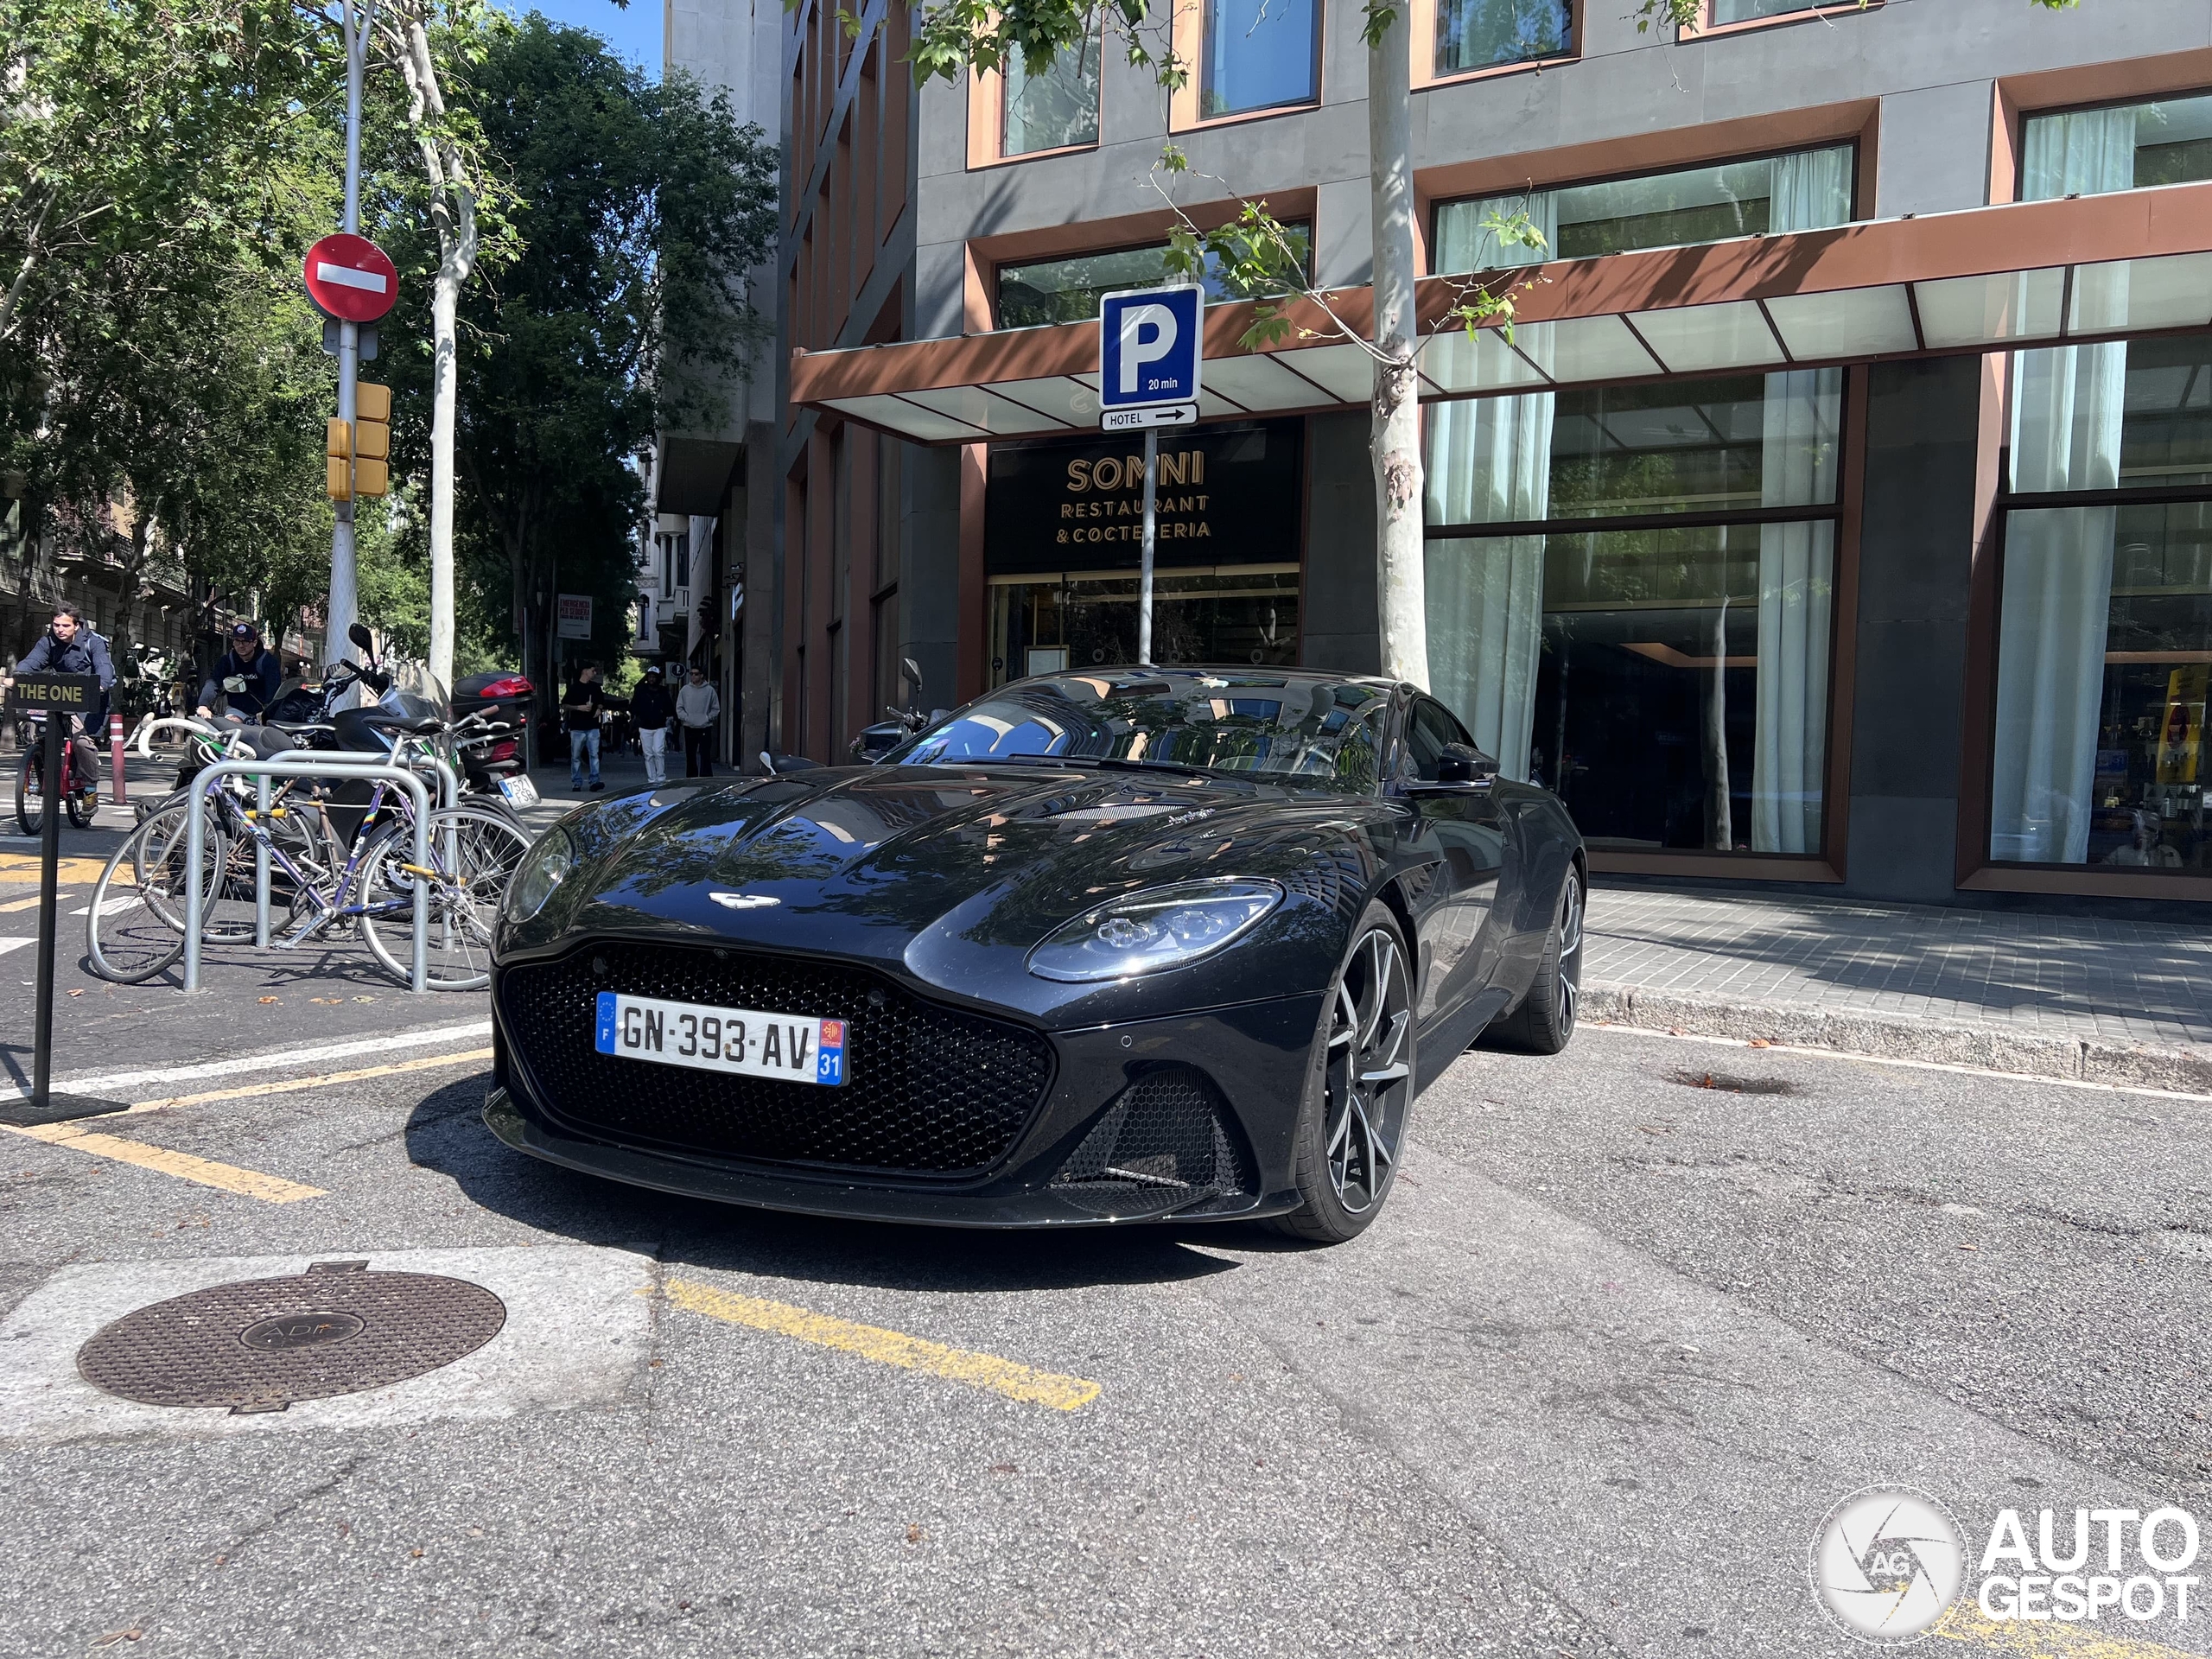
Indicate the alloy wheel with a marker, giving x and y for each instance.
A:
(1570, 951)
(1369, 1077)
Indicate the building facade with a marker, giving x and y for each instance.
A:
(1835, 513)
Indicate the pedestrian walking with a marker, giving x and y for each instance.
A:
(655, 712)
(698, 706)
(580, 712)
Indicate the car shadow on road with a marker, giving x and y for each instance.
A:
(446, 1133)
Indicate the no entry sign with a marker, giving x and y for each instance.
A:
(350, 278)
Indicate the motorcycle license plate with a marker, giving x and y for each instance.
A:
(519, 792)
(789, 1047)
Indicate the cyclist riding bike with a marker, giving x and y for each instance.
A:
(68, 646)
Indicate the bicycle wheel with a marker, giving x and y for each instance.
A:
(30, 816)
(134, 927)
(475, 854)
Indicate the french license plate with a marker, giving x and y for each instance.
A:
(519, 792)
(741, 1040)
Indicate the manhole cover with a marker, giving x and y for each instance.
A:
(261, 1344)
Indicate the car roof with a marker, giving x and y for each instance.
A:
(1235, 674)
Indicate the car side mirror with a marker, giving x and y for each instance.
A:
(1460, 767)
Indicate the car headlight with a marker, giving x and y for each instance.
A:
(1160, 927)
(544, 869)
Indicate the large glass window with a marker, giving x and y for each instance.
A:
(2126, 147)
(1053, 623)
(1742, 11)
(2105, 629)
(1260, 55)
(1055, 109)
(1630, 599)
(1805, 190)
(1476, 34)
(1067, 290)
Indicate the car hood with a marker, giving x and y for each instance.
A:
(925, 866)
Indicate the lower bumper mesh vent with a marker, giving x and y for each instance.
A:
(1166, 1144)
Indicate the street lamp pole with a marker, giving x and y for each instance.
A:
(345, 603)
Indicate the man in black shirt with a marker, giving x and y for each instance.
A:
(246, 679)
(655, 711)
(580, 712)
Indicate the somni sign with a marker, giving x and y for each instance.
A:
(1226, 495)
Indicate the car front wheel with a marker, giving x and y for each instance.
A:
(1359, 1088)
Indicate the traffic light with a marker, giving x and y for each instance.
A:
(338, 450)
(372, 439)
(357, 457)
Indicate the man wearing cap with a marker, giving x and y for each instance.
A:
(247, 677)
(655, 711)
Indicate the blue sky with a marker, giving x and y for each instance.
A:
(633, 31)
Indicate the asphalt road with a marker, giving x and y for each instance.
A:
(1588, 1388)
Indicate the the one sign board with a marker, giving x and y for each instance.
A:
(73, 694)
(573, 617)
(350, 278)
(1150, 343)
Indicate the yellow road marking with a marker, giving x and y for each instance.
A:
(246, 1183)
(1006, 1377)
(24, 866)
(428, 1062)
(2037, 1639)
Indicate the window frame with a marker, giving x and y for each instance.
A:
(987, 122)
(1185, 107)
(2044, 112)
(1436, 207)
(1827, 10)
(1426, 23)
(999, 267)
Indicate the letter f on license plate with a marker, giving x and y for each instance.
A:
(748, 1042)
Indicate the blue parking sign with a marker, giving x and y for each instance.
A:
(1149, 345)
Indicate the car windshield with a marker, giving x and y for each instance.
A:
(1322, 730)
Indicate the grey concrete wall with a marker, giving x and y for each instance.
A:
(1339, 623)
(929, 570)
(1916, 546)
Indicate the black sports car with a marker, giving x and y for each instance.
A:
(1131, 945)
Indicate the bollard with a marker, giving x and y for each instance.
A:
(115, 751)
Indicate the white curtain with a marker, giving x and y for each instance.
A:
(1490, 463)
(2067, 406)
(1809, 191)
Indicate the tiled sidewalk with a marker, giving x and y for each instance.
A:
(2036, 983)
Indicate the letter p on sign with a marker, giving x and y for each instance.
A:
(1149, 345)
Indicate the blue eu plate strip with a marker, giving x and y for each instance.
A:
(606, 1038)
(830, 1053)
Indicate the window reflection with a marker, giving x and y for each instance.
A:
(1055, 108)
(1068, 291)
(1260, 55)
(1476, 34)
(1047, 625)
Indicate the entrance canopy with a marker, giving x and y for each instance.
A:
(2038, 273)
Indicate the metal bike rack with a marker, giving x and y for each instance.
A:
(323, 763)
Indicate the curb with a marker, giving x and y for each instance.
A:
(1899, 1037)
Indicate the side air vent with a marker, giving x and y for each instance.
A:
(1167, 1143)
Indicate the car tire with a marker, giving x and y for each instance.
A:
(1544, 1023)
(1359, 1088)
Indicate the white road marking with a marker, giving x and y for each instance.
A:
(576, 1334)
(1885, 1059)
(275, 1060)
(6, 945)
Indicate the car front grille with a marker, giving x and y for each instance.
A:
(928, 1090)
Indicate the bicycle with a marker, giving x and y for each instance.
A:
(134, 934)
(81, 799)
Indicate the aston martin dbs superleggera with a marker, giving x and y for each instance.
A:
(1137, 944)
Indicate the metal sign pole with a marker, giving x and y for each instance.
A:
(49, 899)
(1144, 566)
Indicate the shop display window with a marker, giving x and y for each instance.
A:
(1229, 615)
(1630, 597)
(1259, 54)
(1068, 291)
(2104, 627)
(1804, 190)
(1055, 109)
(1478, 33)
